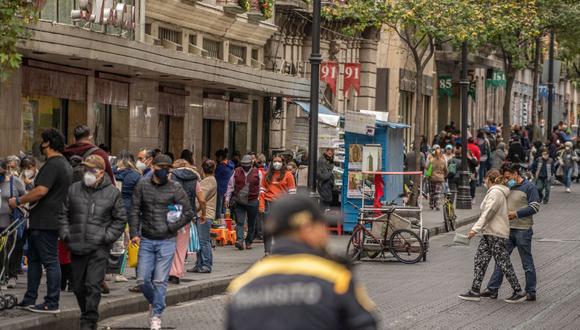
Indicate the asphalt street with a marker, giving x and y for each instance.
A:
(424, 296)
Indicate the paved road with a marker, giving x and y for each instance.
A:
(424, 296)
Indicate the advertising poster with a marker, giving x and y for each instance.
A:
(355, 157)
(371, 158)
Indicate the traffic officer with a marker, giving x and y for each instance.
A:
(299, 286)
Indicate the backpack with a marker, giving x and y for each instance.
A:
(452, 169)
(75, 162)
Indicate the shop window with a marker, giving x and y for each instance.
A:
(238, 137)
(406, 115)
(103, 124)
(213, 137)
(213, 48)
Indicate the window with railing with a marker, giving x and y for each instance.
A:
(255, 54)
(170, 35)
(58, 11)
(238, 54)
(193, 39)
(213, 48)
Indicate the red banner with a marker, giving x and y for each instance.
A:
(351, 77)
(328, 74)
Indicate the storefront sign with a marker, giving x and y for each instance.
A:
(97, 11)
(328, 74)
(359, 123)
(351, 77)
(445, 86)
(498, 80)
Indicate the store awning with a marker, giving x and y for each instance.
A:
(325, 115)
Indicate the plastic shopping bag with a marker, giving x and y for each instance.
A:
(132, 254)
(193, 238)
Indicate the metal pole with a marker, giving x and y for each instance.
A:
(315, 59)
(550, 86)
(463, 189)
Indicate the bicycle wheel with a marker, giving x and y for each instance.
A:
(406, 246)
(452, 217)
(354, 247)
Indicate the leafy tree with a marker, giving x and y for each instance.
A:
(15, 15)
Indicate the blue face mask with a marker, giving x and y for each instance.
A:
(511, 183)
(162, 174)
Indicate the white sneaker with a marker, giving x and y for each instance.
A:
(120, 278)
(155, 323)
(11, 283)
(568, 190)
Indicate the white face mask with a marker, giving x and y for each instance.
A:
(141, 166)
(89, 179)
(28, 174)
(277, 165)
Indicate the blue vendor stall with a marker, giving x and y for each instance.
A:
(361, 154)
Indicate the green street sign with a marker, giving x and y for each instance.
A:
(445, 85)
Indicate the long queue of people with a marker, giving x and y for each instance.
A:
(86, 208)
(558, 158)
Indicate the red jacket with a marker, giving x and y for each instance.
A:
(474, 150)
(79, 149)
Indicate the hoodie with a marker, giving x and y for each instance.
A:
(493, 219)
(79, 149)
(223, 173)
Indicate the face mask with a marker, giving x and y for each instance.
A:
(545, 157)
(163, 175)
(28, 174)
(246, 168)
(89, 179)
(568, 148)
(511, 183)
(277, 166)
(141, 166)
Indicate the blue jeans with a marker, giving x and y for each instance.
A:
(219, 206)
(246, 212)
(543, 186)
(155, 259)
(522, 239)
(42, 251)
(204, 256)
(568, 175)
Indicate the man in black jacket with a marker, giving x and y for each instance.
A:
(92, 219)
(299, 286)
(325, 178)
(160, 208)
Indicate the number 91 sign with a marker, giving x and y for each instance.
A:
(329, 74)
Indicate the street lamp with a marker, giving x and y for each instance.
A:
(315, 59)
(463, 189)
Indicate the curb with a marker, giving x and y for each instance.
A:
(134, 303)
(460, 222)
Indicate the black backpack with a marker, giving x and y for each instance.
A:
(76, 163)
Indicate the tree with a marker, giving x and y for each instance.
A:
(15, 15)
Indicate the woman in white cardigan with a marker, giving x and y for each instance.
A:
(494, 226)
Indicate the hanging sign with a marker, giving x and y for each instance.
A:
(328, 73)
(445, 86)
(351, 77)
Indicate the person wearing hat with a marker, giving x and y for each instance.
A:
(92, 219)
(567, 159)
(299, 286)
(160, 208)
(242, 196)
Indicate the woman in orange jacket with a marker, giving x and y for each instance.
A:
(277, 182)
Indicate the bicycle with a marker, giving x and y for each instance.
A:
(449, 216)
(405, 245)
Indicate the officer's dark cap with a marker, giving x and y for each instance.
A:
(293, 211)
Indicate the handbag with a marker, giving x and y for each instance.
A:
(429, 171)
(193, 239)
(132, 254)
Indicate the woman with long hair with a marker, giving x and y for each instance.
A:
(189, 179)
(494, 226)
(277, 182)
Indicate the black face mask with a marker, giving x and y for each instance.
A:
(246, 168)
(162, 175)
(328, 157)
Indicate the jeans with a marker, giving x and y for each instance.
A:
(204, 255)
(522, 239)
(568, 175)
(267, 237)
(155, 259)
(246, 212)
(88, 272)
(472, 188)
(219, 206)
(42, 251)
(543, 186)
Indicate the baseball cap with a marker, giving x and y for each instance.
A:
(292, 211)
(94, 161)
(162, 160)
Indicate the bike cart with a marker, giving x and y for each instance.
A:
(388, 228)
